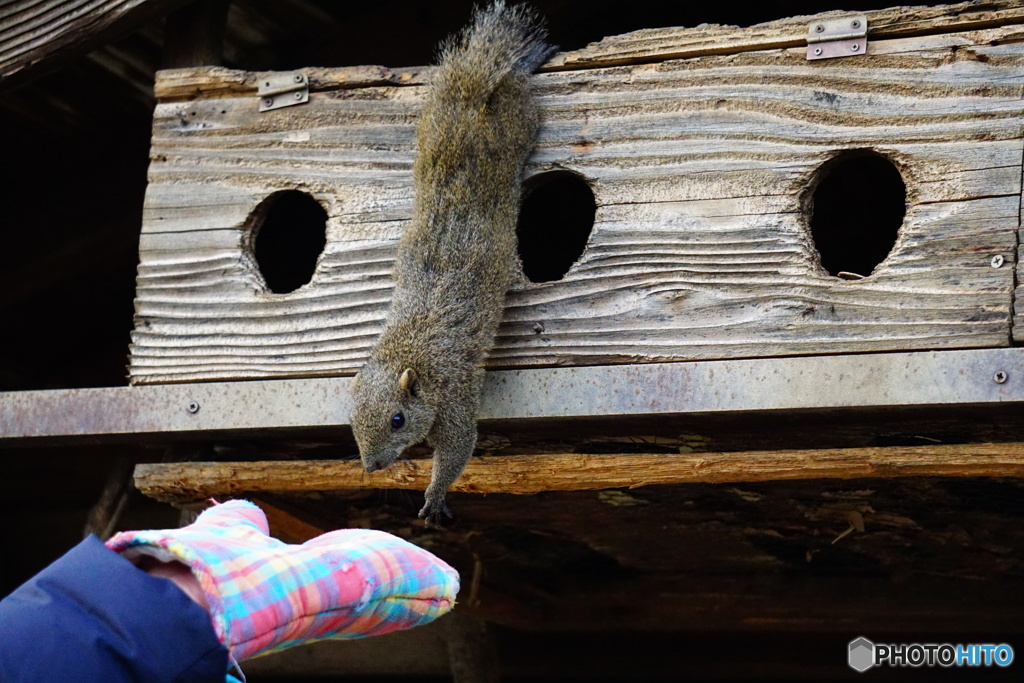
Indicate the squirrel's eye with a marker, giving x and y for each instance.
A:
(397, 421)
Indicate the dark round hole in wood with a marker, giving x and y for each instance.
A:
(555, 221)
(856, 210)
(289, 233)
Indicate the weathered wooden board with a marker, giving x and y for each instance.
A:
(632, 48)
(39, 34)
(676, 43)
(1018, 297)
(213, 82)
(700, 247)
(529, 474)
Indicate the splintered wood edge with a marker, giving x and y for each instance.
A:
(181, 483)
(638, 47)
(212, 82)
(649, 45)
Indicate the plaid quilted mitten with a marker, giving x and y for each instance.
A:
(265, 595)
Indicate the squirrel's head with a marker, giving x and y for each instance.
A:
(389, 413)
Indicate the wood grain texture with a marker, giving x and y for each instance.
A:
(209, 83)
(682, 43)
(39, 34)
(700, 247)
(630, 48)
(529, 474)
(1018, 294)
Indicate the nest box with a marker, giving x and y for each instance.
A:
(701, 193)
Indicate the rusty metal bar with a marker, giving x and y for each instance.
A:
(942, 378)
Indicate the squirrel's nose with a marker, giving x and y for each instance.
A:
(373, 464)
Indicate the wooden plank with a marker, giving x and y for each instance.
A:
(215, 82)
(38, 35)
(1018, 294)
(528, 474)
(700, 248)
(651, 45)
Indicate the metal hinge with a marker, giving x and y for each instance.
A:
(833, 38)
(283, 90)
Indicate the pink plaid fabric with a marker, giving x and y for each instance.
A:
(265, 595)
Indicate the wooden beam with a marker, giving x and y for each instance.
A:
(528, 474)
(179, 84)
(638, 47)
(661, 44)
(40, 35)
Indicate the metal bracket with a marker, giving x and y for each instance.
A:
(283, 90)
(845, 37)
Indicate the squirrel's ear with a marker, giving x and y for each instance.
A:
(408, 382)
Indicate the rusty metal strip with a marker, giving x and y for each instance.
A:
(946, 378)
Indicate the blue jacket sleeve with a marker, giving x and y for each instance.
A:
(91, 616)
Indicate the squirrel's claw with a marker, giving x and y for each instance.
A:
(435, 512)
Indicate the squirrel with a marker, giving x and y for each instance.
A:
(458, 257)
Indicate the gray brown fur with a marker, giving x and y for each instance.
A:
(457, 258)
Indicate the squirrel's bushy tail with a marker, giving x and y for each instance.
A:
(478, 126)
(499, 40)
(479, 122)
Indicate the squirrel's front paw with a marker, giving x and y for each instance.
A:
(435, 512)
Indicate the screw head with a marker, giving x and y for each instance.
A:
(817, 50)
(193, 407)
(1000, 377)
(298, 96)
(998, 261)
(268, 101)
(819, 28)
(855, 47)
(298, 78)
(855, 23)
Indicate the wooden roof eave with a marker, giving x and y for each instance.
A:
(37, 37)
